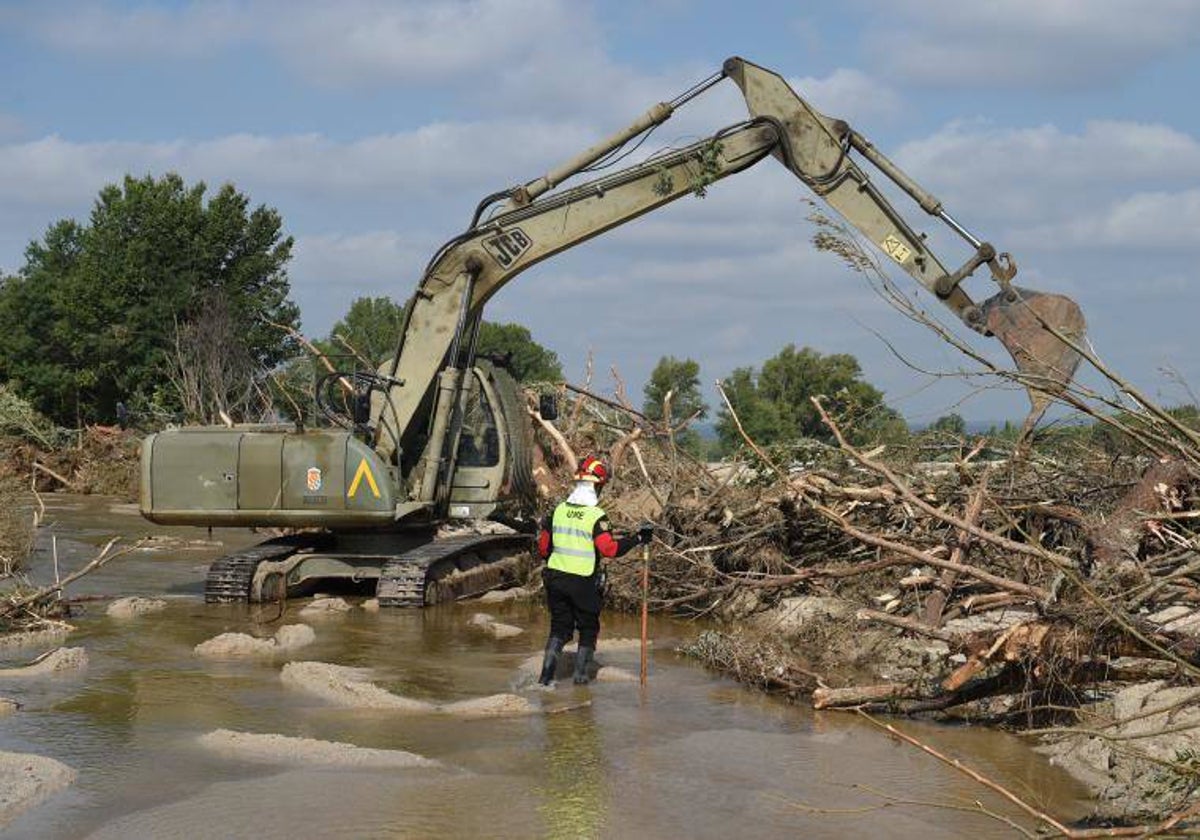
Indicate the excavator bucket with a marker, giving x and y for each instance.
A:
(1029, 324)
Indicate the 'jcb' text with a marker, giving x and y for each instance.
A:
(507, 246)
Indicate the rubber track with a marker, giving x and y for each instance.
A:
(403, 580)
(229, 577)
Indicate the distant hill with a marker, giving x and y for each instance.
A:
(978, 427)
(707, 429)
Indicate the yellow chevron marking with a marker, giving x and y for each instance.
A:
(362, 472)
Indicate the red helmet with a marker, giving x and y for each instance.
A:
(593, 469)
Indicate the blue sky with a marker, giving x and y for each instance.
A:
(1060, 130)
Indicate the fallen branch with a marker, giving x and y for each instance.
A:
(316, 353)
(928, 558)
(858, 695)
(14, 605)
(42, 468)
(1041, 816)
(561, 442)
(937, 599)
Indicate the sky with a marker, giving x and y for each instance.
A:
(1059, 130)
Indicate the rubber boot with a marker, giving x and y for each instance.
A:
(582, 659)
(554, 647)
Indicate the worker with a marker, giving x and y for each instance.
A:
(572, 542)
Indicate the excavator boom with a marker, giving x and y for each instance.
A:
(535, 222)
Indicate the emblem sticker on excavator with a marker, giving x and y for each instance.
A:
(895, 248)
(312, 479)
(506, 247)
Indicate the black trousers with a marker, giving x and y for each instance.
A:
(574, 603)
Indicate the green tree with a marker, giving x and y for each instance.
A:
(371, 326)
(1009, 432)
(1103, 436)
(527, 360)
(680, 377)
(100, 312)
(950, 424)
(775, 404)
(761, 417)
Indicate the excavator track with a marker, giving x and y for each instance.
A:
(229, 577)
(452, 568)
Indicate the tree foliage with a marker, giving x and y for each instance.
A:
(949, 424)
(93, 316)
(1103, 436)
(527, 360)
(774, 404)
(371, 326)
(680, 378)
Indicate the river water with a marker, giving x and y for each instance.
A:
(693, 755)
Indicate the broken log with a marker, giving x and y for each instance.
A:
(860, 695)
(66, 482)
(1113, 540)
(936, 603)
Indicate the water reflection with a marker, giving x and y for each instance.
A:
(575, 792)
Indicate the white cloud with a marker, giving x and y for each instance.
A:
(1141, 221)
(509, 57)
(377, 261)
(421, 41)
(849, 94)
(545, 57)
(409, 43)
(1032, 175)
(190, 30)
(329, 271)
(445, 156)
(1066, 44)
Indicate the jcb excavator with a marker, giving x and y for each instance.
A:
(437, 434)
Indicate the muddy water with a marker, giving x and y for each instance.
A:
(693, 756)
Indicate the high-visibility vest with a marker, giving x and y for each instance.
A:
(571, 532)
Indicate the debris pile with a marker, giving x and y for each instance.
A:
(1012, 583)
(37, 456)
(96, 459)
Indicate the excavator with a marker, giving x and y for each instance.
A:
(437, 434)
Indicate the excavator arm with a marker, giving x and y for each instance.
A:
(415, 409)
(821, 150)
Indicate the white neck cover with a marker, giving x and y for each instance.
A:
(584, 493)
